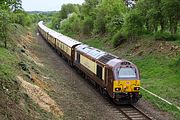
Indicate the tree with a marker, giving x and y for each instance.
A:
(11, 12)
(109, 16)
(16, 5)
(133, 25)
(163, 13)
(170, 9)
(4, 25)
(67, 9)
(71, 25)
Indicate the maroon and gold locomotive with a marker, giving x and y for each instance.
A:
(114, 76)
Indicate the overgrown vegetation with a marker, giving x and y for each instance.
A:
(94, 17)
(11, 13)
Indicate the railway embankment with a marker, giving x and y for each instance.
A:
(22, 89)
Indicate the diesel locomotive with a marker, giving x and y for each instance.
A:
(113, 76)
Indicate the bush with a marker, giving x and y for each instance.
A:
(88, 26)
(164, 36)
(119, 38)
(133, 24)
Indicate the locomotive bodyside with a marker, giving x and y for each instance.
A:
(86, 61)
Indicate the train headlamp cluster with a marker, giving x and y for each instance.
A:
(136, 88)
(117, 89)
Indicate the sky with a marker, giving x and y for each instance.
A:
(46, 5)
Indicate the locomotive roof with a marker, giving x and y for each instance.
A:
(99, 55)
(113, 62)
(104, 59)
(65, 39)
(92, 52)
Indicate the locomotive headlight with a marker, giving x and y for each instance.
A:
(136, 88)
(117, 89)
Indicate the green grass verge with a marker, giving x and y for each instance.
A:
(94, 43)
(162, 105)
(161, 76)
(8, 71)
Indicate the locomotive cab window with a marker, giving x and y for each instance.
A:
(126, 73)
(99, 71)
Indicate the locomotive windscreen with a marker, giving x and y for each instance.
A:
(126, 73)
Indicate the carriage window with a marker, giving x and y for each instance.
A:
(99, 72)
(126, 73)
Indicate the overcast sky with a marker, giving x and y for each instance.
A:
(46, 5)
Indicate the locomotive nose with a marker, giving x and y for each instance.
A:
(126, 85)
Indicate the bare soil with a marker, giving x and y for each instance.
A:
(40, 97)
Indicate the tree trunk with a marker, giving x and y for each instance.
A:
(147, 25)
(162, 24)
(5, 41)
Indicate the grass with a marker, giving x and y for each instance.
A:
(160, 75)
(162, 105)
(9, 87)
(94, 43)
(8, 62)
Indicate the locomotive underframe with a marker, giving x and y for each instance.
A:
(126, 98)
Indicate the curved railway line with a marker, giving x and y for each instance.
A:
(133, 113)
(130, 112)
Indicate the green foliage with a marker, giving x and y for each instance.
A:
(7, 60)
(161, 14)
(109, 16)
(11, 12)
(4, 25)
(133, 24)
(164, 36)
(67, 9)
(118, 38)
(22, 18)
(87, 26)
(72, 23)
(171, 8)
(97, 43)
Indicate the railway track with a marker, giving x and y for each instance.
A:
(133, 113)
(128, 112)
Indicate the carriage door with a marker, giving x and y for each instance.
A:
(99, 72)
(109, 81)
(78, 58)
